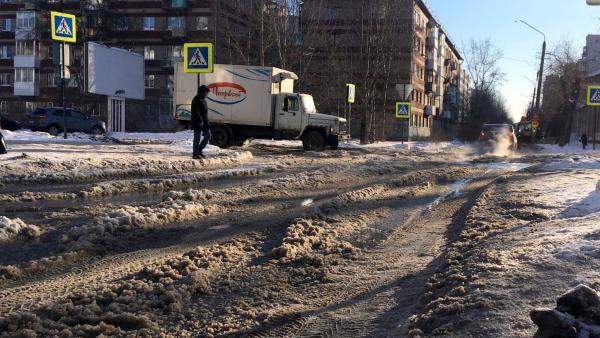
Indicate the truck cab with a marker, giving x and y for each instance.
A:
(296, 117)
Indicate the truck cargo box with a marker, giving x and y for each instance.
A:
(238, 94)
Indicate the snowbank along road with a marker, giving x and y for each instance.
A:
(270, 241)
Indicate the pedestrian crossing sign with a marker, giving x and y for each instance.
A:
(63, 27)
(403, 110)
(198, 58)
(593, 96)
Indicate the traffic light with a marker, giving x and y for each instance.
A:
(593, 2)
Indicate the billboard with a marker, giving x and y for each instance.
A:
(115, 72)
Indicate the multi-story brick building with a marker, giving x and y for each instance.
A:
(157, 29)
(422, 55)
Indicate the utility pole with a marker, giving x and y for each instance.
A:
(541, 74)
(537, 99)
(532, 102)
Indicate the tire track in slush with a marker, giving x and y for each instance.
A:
(359, 307)
(107, 269)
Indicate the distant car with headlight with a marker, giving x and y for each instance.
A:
(497, 135)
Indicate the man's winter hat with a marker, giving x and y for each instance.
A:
(203, 89)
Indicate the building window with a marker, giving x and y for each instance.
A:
(25, 47)
(202, 23)
(3, 107)
(150, 81)
(29, 107)
(121, 23)
(177, 52)
(51, 80)
(25, 20)
(5, 52)
(24, 74)
(5, 79)
(178, 3)
(149, 22)
(148, 53)
(176, 22)
(171, 82)
(6, 25)
(333, 12)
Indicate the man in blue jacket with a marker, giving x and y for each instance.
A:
(200, 122)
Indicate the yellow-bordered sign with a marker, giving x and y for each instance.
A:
(351, 92)
(403, 110)
(198, 58)
(63, 27)
(593, 96)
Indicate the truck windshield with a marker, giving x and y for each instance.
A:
(308, 103)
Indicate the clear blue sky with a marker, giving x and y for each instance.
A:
(480, 19)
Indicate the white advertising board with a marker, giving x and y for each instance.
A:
(115, 72)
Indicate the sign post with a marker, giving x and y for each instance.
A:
(198, 58)
(64, 29)
(403, 110)
(351, 96)
(593, 100)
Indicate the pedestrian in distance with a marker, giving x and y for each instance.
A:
(200, 122)
(2, 144)
(584, 140)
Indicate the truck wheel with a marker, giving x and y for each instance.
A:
(221, 137)
(313, 141)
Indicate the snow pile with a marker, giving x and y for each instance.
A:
(577, 314)
(83, 169)
(417, 146)
(104, 228)
(13, 228)
(9, 272)
(141, 304)
(308, 241)
(37, 136)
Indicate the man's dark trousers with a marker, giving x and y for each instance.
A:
(198, 146)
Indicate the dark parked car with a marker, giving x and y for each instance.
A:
(9, 123)
(51, 120)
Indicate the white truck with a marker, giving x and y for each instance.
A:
(256, 102)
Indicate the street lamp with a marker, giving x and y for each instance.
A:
(541, 74)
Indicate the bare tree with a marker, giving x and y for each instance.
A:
(562, 90)
(483, 59)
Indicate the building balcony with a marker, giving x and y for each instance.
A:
(431, 64)
(429, 87)
(429, 111)
(432, 42)
(26, 89)
(26, 61)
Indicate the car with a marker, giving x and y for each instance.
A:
(497, 134)
(9, 124)
(50, 120)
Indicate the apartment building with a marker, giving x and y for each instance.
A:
(591, 54)
(423, 56)
(157, 29)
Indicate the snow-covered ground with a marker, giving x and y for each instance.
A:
(569, 149)
(371, 240)
(39, 157)
(422, 146)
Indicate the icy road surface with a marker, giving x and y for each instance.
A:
(133, 238)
